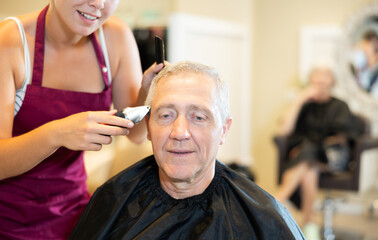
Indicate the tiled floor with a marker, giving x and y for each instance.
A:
(354, 218)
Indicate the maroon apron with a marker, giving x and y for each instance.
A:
(47, 201)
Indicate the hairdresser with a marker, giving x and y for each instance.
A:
(60, 70)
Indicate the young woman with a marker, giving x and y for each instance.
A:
(61, 69)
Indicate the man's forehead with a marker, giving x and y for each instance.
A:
(185, 75)
(198, 85)
(192, 90)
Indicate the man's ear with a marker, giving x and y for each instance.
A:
(148, 127)
(225, 128)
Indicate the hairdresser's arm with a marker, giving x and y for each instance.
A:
(127, 73)
(83, 131)
(19, 154)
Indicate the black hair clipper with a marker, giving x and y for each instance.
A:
(159, 50)
(135, 114)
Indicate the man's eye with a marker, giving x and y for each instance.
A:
(199, 117)
(165, 115)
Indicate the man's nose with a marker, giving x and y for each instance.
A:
(180, 129)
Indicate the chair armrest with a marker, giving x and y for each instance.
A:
(281, 142)
(366, 142)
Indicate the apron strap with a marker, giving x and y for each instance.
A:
(39, 48)
(101, 60)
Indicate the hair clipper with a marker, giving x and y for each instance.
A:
(134, 114)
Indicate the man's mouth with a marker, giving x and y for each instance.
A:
(87, 16)
(180, 152)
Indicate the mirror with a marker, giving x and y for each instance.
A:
(360, 58)
(364, 54)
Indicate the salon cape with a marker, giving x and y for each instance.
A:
(132, 205)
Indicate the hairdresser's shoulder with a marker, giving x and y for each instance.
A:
(9, 32)
(115, 27)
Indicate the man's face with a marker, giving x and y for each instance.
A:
(184, 127)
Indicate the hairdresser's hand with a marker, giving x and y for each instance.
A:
(89, 130)
(150, 73)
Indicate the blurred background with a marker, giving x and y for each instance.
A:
(263, 49)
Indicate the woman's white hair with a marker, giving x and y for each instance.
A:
(221, 89)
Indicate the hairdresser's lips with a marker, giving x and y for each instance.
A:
(88, 18)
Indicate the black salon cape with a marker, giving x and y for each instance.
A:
(132, 205)
(316, 122)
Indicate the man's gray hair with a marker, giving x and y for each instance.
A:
(221, 89)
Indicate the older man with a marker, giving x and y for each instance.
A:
(182, 191)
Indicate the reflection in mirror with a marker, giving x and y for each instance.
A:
(358, 72)
(363, 59)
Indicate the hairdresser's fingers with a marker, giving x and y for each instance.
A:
(111, 130)
(100, 139)
(95, 142)
(88, 141)
(91, 142)
(75, 131)
(104, 124)
(118, 122)
(150, 73)
(108, 118)
(93, 147)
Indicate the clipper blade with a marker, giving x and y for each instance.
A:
(134, 114)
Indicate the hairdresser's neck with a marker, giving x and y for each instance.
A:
(57, 33)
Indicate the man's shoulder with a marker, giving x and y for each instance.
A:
(259, 204)
(236, 179)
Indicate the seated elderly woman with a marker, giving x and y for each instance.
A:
(320, 130)
(182, 191)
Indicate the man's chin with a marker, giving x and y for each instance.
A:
(179, 174)
(179, 177)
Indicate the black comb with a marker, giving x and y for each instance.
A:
(159, 50)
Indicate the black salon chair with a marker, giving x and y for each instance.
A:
(345, 181)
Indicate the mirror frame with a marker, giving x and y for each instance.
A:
(363, 101)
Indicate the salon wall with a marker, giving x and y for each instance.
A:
(238, 10)
(18, 7)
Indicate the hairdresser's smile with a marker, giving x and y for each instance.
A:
(88, 16)
(84, 17)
